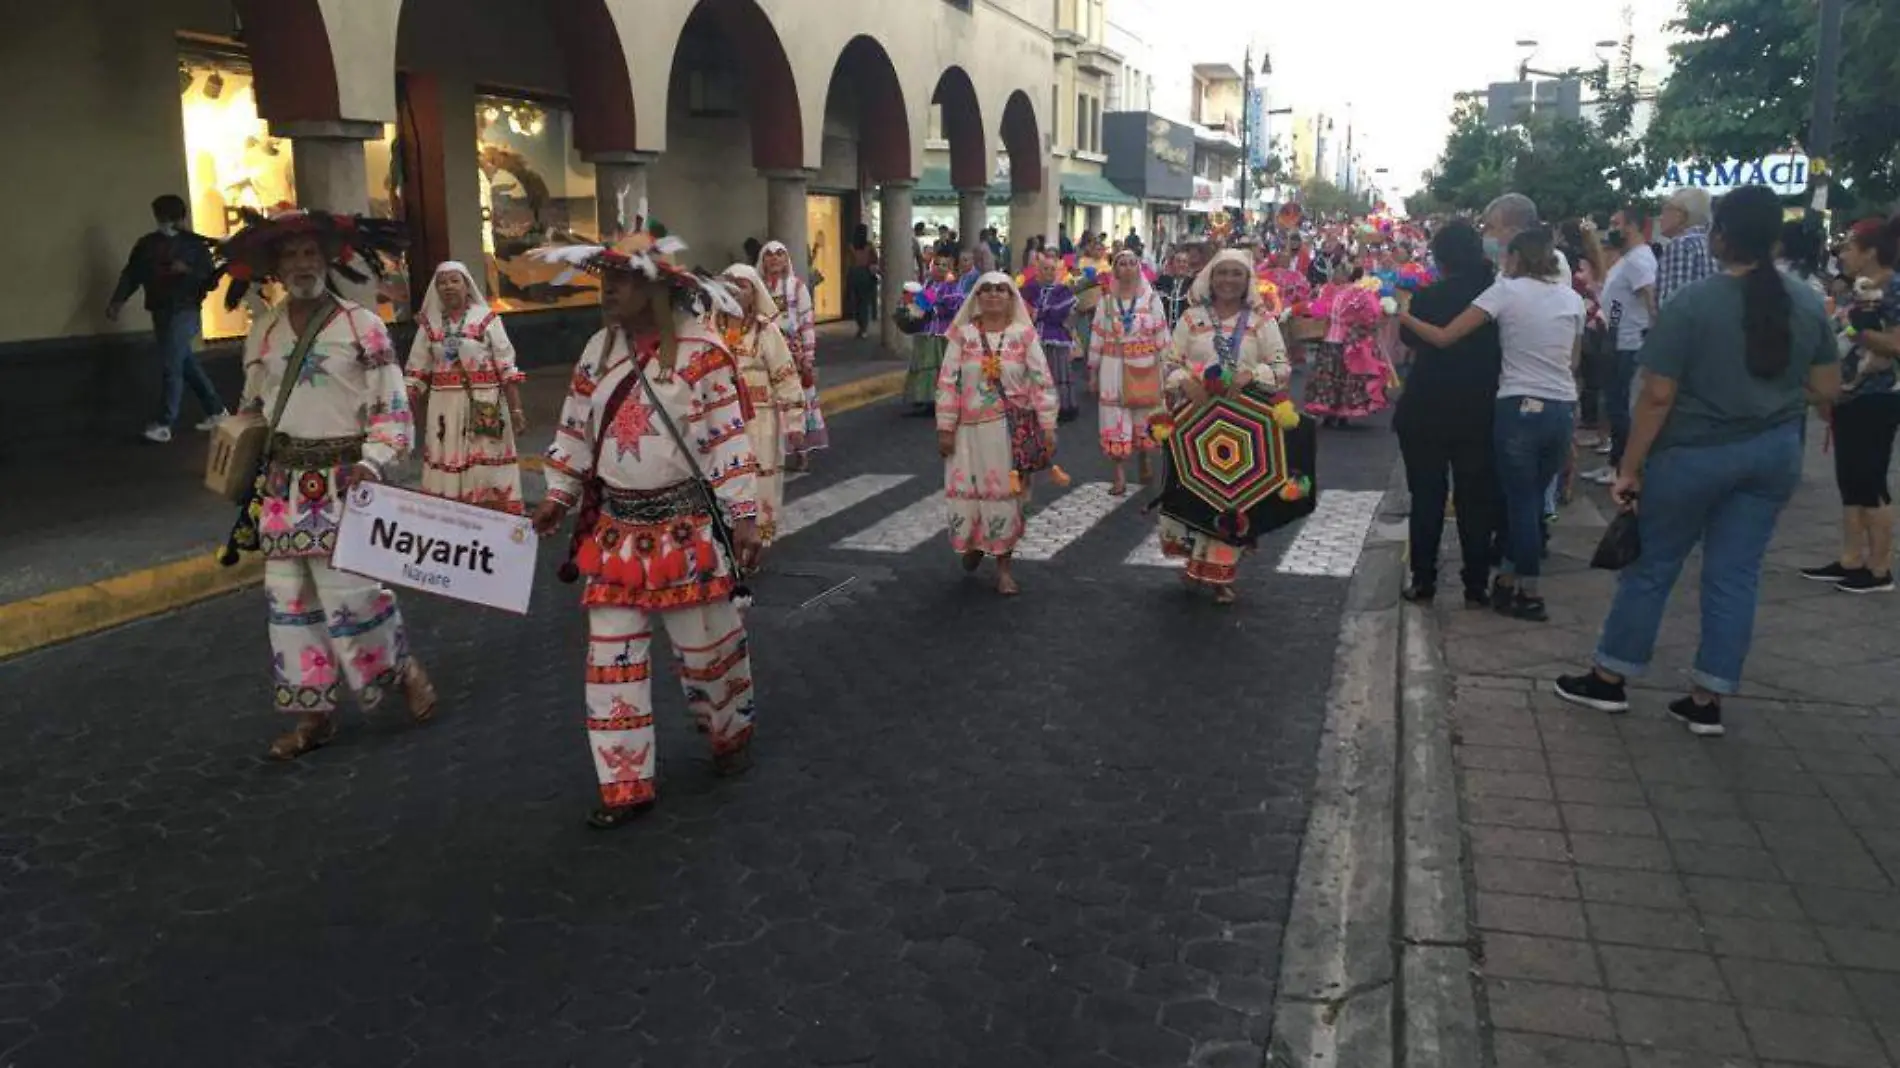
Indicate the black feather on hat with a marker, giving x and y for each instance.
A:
(357, 246)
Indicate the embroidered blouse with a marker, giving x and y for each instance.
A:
(351, 385)
(1050, 306)
(969, 393)
(481, 345)
(636, 452)
(1202, 339)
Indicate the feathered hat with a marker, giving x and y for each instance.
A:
(649, 254)
(356, 246)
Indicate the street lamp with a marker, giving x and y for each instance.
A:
(1524, 65)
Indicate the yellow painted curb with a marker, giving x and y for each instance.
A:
(74, 613)
(63, 615)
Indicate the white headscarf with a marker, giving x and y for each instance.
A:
(766, 308)
(787, 291)
(1202, 291)
(1141, 280)
(969, 313)
(432, 310)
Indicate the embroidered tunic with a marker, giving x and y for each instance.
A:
(349, 403)
(986, 513)
(456, 462)
(652, 546)
(797, 321)
(1127, 346)
(775, 406)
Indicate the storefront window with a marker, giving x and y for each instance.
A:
(233, 162)
(535, 190)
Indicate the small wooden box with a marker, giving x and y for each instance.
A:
(236, 446)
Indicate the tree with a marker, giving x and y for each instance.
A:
(1475, 166)
(1321, 197)
(1572, 168)
(1742, 81)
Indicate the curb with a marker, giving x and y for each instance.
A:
(63, 615)
(1375, 968)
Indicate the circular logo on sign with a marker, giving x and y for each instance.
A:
(361, 494)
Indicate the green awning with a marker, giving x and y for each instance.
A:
(934, 188)
(1094, 189)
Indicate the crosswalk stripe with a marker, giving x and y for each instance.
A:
(1331, 539)
(900, 532)
(1053, 528)
(1148, 554)
(817, 506)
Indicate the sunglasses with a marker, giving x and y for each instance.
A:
(993, 287)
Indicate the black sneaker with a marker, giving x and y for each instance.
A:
(1420, 594)
(1592, 690)
(1863, 580)
(1476, 597)
(1530, 609)
(1833, 572)
(1503, 598)
(1703, 721)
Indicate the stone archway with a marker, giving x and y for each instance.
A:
(866, 76)
(955, 95)
(734, 39)
(1022, 139)
(291, 60)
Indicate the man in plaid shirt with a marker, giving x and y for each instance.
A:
(1686, 259)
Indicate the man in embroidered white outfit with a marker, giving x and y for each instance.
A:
(344, 418)
(651, 441)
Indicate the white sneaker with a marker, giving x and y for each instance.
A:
(1602, 476)
(1606, 448)
(158, 434)
(210, 422)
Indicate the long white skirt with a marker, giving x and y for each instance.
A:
(984, 514)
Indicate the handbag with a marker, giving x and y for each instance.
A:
(1141, 386)
(1620, 545)
(251, 448)
(485, 418)
(1028, 452)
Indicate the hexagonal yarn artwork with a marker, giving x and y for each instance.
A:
(1237, 469)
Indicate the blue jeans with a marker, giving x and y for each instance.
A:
(1618, 397)
(1727, 497)
(179, 365)
(1531, 447)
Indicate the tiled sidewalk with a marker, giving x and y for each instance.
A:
(1647, 899)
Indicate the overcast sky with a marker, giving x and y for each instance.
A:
(1398, 62)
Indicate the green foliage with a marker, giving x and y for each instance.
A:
(1741, 87)
(1321, 197)
(1570, 167)
(1475, 166)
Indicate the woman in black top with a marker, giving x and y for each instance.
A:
(1444, 419)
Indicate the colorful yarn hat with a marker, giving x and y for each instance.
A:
(356, 246)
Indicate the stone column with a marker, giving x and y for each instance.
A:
(1032, 213)
(786, 219)
(620, 191)
(332, 175)
(895, 241)
(973, 211)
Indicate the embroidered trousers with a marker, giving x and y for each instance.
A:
(328, 629)
(715, 669)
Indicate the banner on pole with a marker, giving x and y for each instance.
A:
(438, 546)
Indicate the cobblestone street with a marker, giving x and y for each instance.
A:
(1059, 830)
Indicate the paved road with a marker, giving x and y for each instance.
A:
(980, 832)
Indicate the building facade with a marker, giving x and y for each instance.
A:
(490, 127)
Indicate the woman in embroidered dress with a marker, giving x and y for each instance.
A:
(943, 297)
(1050, 305)
(1348, 373)
(463, 363)
(1127, 343)
(991, 367)
(796, 321)
(1226, 324)
(774, 401)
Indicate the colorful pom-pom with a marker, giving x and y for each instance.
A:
(1160, 427)
(1286, 416)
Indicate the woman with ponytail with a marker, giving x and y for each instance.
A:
(1714, 454)
(1868, 415)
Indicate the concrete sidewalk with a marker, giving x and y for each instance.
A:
(1646, 899)
(123, 531)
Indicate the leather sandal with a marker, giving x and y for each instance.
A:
(309, 735)
(420, 691)
(608, 817)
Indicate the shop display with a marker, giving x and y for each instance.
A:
(536, 191)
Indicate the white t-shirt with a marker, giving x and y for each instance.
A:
(1538, 327)
(1623, 305)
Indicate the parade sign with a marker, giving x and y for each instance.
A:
(438, 546)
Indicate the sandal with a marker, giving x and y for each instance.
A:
(421, 692)
(972, 560)
(309, 735)
(1225, 596)
(608, 817)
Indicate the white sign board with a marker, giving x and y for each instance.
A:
(1786, 174)
(438, 546)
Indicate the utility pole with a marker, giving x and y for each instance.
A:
(1821, 127)
(1246, 131)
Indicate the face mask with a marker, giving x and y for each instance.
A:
(168, 228)
(1493, 250)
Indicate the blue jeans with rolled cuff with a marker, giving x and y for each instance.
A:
(1727, 497)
